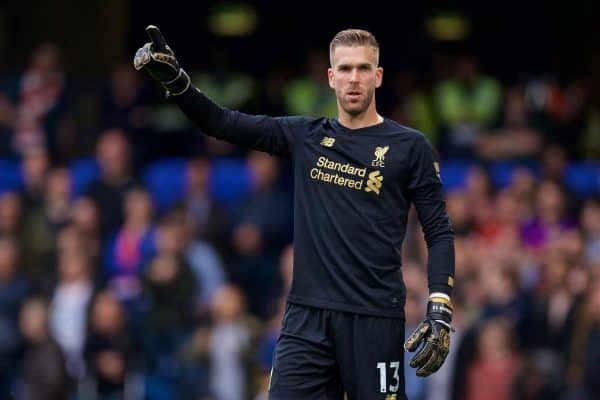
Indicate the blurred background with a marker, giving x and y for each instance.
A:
(140, 259)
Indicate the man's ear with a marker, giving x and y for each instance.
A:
(330, 77)
(378, 76)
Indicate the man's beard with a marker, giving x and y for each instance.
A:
(357, 108)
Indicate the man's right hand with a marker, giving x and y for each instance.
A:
(158, 60)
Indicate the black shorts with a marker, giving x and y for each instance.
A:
(324, 354)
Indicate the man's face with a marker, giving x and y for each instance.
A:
(354, 76)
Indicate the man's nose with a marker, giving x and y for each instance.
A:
(354, 75)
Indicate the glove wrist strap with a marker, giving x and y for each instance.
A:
(179, 84)
(438, 310)
(446, 324)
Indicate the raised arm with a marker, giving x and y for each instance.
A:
(259, 132)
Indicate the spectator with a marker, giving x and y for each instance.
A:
(8, 115)
(273, 325)
(36, 108)
(85, 218)
(69, 307)
(516, 127)
(13, 291)
(458, 209)
(176, 237)
(310, 94)
(169, 283)
(468, 103)
(550, 220)
(228, 346)
(169, 288)
(544, 377)
(414, 105)
(492, 374)
(110, 349)
(555, 306)
(589, 145)
(590, 224)
(132, 246)
(113, 154)
(523, 187)
(554, 161)
(208, 217)
(11, 211)
(35, 164)
(126, 105)
(262, 229)
(231, 88)
(44, 221)
(584, 368)
(564, 110)
(505, 299)
(43, 373)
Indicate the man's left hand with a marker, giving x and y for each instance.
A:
(434, 333)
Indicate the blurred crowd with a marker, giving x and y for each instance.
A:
(106, 293)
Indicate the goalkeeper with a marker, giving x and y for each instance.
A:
(355, 179)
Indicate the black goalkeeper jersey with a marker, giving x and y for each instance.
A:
(352, 192)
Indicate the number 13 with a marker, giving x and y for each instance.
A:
(395, 365)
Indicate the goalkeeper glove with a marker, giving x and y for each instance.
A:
(434, 334)
(158, 60)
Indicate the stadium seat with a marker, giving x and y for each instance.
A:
(11, 176)
(230, 180)
(83, 172)
(583, 178)
(165, 181)
(502, 173)
(454, 172)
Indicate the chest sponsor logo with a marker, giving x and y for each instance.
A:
(327, 141)
(347, 175)
(374, 182)
(379, 160)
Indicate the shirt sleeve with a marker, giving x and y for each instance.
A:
(425, 188)
(274, 135)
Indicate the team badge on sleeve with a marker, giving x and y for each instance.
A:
(436, 166)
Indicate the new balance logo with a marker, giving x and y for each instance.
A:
(327, 141)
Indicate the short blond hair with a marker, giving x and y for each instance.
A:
(354, 37)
